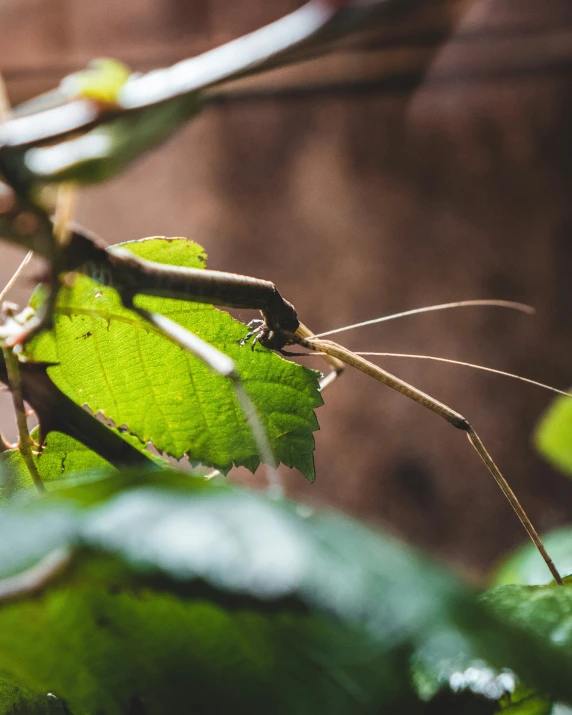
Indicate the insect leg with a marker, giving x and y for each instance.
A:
(336, 366)
(454, 418)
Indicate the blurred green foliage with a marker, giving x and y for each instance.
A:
(553, 437)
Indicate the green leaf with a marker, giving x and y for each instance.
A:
(450, 673)
(251, 641)
(526, 567)
(443, 673)
(545, 612)
(113, 361)
(182, 529)
(102, 81)
(459, 680)
(190, 596)
(526, 702)
(16, 700)
(553, 436)
(106, 652)
(60, 458)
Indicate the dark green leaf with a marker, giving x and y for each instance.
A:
(189, 596)
(461, 682)
(272, 637)
(545, 612)
(16, 700)
(448, 666)
(238, 542)
(106, 650)
(526, 702)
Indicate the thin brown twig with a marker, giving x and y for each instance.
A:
(5, 106)
(25, 442)
(65, 204)
(17, 274)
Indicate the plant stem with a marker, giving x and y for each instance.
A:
(25, 441)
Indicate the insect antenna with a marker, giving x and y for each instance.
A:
(469, 364)
(512, 305)
(336, 366)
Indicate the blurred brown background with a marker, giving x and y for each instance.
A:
(378, 193)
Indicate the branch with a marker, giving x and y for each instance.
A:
(150, 107)
(57, 412)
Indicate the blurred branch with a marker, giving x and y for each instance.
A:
(302, 35)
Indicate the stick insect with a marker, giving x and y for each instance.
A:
(93, 139)
(279, 328)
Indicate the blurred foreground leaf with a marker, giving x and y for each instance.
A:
(526, 567)
(15, 700)
(553, 437)
(182, 595)
(545, 611)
